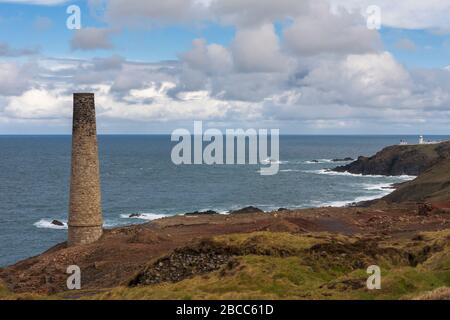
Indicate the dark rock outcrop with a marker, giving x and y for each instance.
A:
(424, 209)
(184, 263)
(399, 160)
(249, 209)
(197, 213)
(343, 160)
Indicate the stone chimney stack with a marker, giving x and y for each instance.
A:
(85, 212)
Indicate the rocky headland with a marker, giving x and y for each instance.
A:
(429, 162)
(400, 160)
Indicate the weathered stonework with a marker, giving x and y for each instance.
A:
(85, 213)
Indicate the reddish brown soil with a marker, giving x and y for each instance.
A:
(122, 252)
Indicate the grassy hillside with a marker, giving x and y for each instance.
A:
(433, 185)
(266, 265)
(6, 294)
(314, 266)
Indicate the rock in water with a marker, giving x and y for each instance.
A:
(58, 223)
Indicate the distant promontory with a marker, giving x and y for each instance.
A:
(399, 160)
(430, 162)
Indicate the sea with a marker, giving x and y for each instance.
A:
(138, 176)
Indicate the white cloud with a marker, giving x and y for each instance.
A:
(39, 104)
(210, 59)
(197, 105)
(324, 32)
(257, 49)
(354, 92)
(150, 12)
(91, 39)
(370, 80)
(251, 13)
(411, 14)
(319, 69)
(14, 78)
(254, 49)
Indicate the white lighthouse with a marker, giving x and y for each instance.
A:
(423, 141)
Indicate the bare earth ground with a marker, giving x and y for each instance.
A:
(124, 252)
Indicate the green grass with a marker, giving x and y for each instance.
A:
(6, 294)
(284, 266)
(304, 276)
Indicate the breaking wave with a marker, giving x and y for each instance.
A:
(272, 161)
(378, 186)
(340, 204)
(322, 161)
(144, 216)
(348, 174)
(47, 224)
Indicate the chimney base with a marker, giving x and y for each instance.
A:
(79, 235)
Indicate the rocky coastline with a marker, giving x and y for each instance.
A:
(193, 255)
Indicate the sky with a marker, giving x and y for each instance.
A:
(302, 66)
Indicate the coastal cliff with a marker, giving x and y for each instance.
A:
(430, 162)
(400, 160)
(433, 185)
